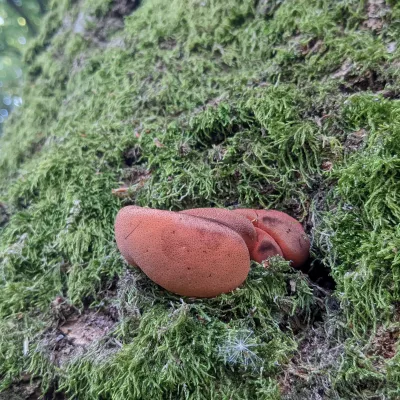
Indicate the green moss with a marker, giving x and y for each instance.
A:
(97, 8)
(196, 343)
(204, 104)
(17, 340)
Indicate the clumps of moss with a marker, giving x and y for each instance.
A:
(259, 152)
(188, 347)
(358, 232)
(17, 340)
(363, 225)
(219, 104)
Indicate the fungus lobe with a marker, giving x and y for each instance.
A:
(287, 232)
(184, 254)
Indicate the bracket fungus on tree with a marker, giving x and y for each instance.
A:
(204, 252)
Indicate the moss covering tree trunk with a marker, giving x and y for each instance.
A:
(291, 105)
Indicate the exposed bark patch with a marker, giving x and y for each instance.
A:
(389, 93)
(376, 11)
(354, 80)
(355, 140)
(23, 390)
(344, 70)
(385, 342)
(74, 332)
(3, 215)
(369, 80)
(122, 8)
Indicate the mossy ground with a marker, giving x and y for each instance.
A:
(291, 105)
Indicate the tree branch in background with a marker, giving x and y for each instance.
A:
(21, 12)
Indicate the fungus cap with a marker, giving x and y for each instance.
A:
(184, 254)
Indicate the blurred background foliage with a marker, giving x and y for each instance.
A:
(19, 22)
